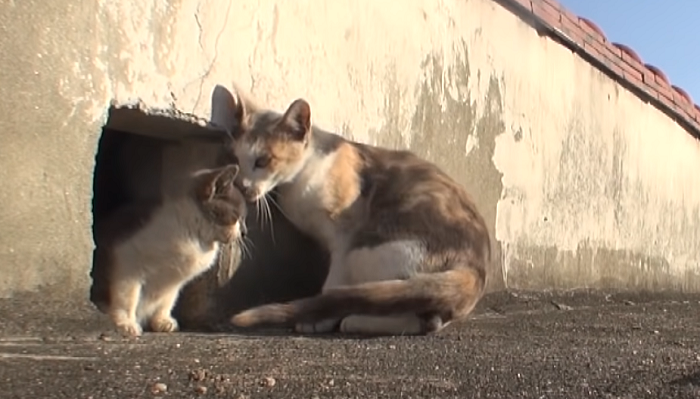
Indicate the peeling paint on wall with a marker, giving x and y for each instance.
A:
(444, 121)
(581, 182)
(591, 197)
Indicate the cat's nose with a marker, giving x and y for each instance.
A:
(244, 229)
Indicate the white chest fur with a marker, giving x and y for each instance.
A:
(168, 243)
(303, 201)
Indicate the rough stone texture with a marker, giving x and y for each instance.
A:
(571, 170)
(517, 345)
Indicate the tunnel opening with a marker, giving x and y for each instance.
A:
(140, 157)
(114, 188)
(134, 150)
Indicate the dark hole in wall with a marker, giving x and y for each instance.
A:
(121, 156)
(130, 168)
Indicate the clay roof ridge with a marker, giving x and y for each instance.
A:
(617, 59)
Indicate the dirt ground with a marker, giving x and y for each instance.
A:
(517, 345)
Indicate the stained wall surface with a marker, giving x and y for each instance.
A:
(583, 182)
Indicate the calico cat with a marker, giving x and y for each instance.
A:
(155, 249)
(409, 249)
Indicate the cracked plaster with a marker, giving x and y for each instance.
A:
(586, 196)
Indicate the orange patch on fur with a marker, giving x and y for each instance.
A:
(343, 184)
(282, 153)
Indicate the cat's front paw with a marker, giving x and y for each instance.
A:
(319, 327)
(129, 329)
(164, 324)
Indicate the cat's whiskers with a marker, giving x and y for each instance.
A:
(261, 211)
(249, 243)
(268, 212)
(257, 212)
(261, 205)
(279, 208)
(243, 245)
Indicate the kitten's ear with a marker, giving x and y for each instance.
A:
(227, 175)
(217, 181)
(228, 110)
(297, 119)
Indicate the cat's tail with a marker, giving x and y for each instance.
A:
(450, 295)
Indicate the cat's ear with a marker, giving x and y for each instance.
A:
(218, 181)
(297, 120)
(227, 176)
(228, 111)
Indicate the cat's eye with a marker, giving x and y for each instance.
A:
(262, 162)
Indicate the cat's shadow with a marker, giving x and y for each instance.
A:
(282, 264)
(285, 333)
(689, 379)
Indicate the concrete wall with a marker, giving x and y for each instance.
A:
(583, 184)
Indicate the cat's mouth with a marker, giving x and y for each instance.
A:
(251, 195)
(238, 232)
(242, 229)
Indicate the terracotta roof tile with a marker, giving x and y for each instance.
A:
(616, 59)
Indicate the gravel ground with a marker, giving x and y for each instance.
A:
(517, 345)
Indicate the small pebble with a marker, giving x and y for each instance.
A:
(198, 375)
(269, 382)
(105, 337)
(201, 390)
(562, 306)
(159, 387)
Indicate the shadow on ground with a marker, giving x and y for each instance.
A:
(688, 380)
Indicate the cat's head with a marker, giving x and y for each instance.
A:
(270, 148)
(221, 202)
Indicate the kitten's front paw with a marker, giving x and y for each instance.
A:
(164, 324)
(319, 327)
(130, 329)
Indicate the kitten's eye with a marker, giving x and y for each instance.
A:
(262, 162)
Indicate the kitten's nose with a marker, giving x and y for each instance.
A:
(249, 193)
(244, 229)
